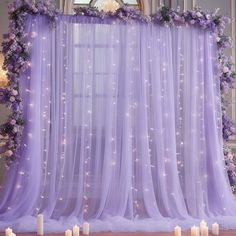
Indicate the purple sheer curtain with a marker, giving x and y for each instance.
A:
(123, 129)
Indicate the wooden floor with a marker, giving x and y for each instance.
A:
(222, 233)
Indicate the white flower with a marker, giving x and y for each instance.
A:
(226, 69)
(208, 16)
(9, 153)
(15, 130)
(199, 14)
(217, 39)
(12, 99)
(217, 10)
(2, 144)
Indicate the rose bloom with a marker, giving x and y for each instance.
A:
(15, 130)
(199, 14)
(230, 156)
(9, 153)
(12, 99)
(208, 16)
(13, 122)
(225, 69)
(14, 92)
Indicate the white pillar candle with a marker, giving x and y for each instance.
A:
(68, 232)
(177, 231)
(195, 231)
(12, 234)
(8, 232)
(40, 224)
(215, 229)
(75, 230)
(202, 225)
(86, 228)
(205, 231)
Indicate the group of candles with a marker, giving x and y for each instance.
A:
(75, 230)
(202, 230)
(40, 231)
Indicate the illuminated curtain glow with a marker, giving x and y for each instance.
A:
(123, 129)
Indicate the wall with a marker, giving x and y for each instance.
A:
(227, 7)
(4, 112)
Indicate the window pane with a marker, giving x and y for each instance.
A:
(98, 3)
(133, 2)
(81, 1)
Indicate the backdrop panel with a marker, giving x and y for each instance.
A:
(123, 129)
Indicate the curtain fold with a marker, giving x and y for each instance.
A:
(123, 129)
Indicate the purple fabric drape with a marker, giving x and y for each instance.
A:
(123, 129)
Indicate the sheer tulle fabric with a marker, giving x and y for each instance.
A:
(123, 129)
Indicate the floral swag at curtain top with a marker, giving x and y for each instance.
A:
(17, 47)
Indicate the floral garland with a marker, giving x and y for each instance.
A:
(16, 51)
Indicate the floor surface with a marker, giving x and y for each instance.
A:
(222, 233)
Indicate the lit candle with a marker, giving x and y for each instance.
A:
(205, 231)
(194, 231)
(202, 225)
(86, 228)
(68, 232)
(8, 232)
(75, 230)
(177, 231)
(40, 224)
(215, 229)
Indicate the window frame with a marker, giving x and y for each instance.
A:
(92, 3)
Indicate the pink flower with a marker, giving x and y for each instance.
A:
(14, 92)
(230, 156)
(12, 99)
(226, 69)
(9, 153)
(13, 122)
(12, 36)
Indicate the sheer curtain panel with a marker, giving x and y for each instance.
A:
(123, 129)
